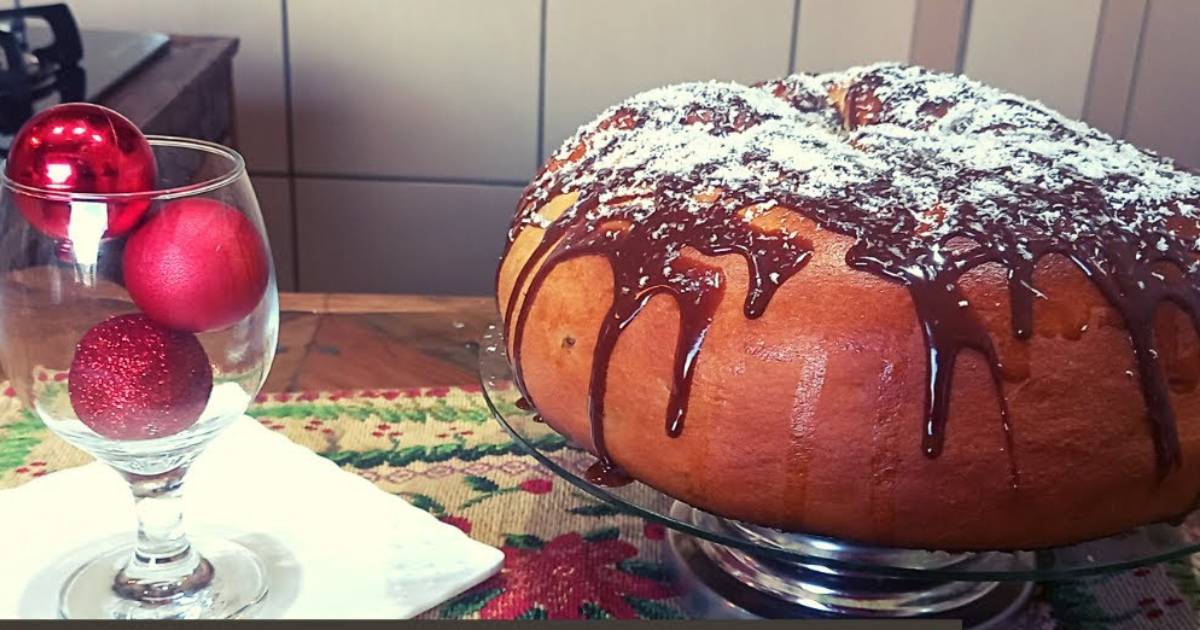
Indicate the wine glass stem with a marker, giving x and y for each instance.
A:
(164, 566)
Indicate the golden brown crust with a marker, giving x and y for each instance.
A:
(809, 418)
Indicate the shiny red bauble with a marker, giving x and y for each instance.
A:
(196, 265)
(133, 379)
(80, 148)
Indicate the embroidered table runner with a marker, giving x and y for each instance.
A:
(567, 556)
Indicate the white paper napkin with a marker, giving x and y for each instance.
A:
(335, 545)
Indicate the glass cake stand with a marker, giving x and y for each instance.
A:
(730, 569)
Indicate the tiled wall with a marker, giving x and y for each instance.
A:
(389, 139)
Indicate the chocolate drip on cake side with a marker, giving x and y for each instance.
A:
(932, 175)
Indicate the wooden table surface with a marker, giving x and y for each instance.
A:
(329, 342)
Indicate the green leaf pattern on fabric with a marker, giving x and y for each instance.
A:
(523, 541)
(18, 439)
(468, 603)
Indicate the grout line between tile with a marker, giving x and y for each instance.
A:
(405, 179)
(541, 93)
(1085, 111)
(912, 32)
(964, 33)
(1130, 97)
(794, 37)
(291, 150)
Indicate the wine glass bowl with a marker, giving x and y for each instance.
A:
(139, 348)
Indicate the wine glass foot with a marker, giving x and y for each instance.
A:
(236, 583)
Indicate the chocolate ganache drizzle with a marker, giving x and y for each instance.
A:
(931, 174)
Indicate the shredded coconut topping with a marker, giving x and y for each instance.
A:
(901, 142)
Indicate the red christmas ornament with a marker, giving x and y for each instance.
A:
(132, 379)
(80, 148)
(196, 265)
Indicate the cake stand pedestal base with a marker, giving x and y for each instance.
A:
(718, 582)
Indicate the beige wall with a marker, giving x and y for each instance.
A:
(414, 123)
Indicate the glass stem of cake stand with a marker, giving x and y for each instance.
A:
(164, 566)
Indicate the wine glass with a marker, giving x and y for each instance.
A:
(137, 326)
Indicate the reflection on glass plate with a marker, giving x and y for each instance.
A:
(1141, 546)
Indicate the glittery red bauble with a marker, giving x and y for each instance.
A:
(132, 379)
(196, 265)
(80, 148)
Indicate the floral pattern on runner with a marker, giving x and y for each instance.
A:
(567, 556)
(594, 575)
